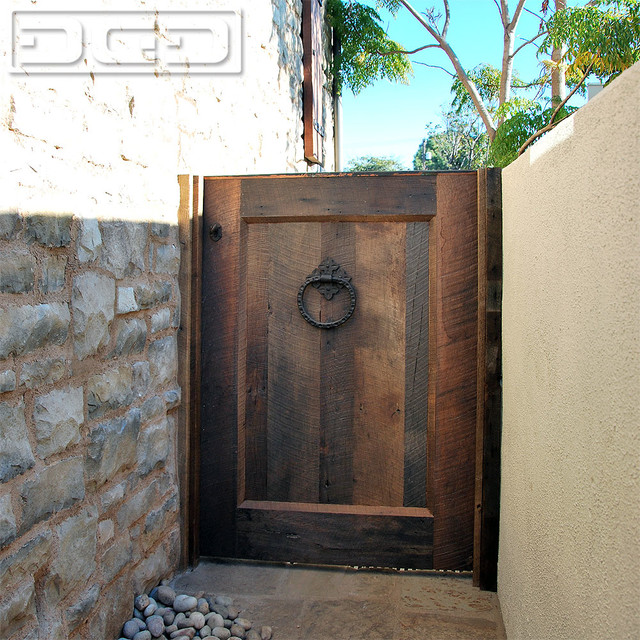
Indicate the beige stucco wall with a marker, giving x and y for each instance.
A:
(569, 562)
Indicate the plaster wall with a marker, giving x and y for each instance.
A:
(570, 504)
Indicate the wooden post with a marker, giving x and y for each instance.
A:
(489, 396)
(188, 441)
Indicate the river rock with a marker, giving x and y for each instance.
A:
(183, 603)
(165, 595)
(155, 624)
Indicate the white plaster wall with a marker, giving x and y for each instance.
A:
(570, 506)
(112, 145)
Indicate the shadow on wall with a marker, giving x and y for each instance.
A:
(89, 312)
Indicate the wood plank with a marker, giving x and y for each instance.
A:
(416, 365)
(337, 374)
(452, 467)
(379, 363)
(257, 354)
(340, 198)
(188, 440)
(220, 294)
(329, 534)
(293, 414)
(313, 80)
(489, 411)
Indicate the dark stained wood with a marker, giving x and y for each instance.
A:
(293, 412)
(337, 384)
(489, 412)
(220, 295)
(313, 80)
(332, 198)
(189, 374)
(335, 534)
(379, 365)
(451, 471)
(417, 365)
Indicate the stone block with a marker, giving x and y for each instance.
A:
(112, 496)
(50, 230)
(131, 336)
(57, 417)
(39, 372)
(123, 247)
(7, 381)
(138, 506)
(152, 569)
(15, 454)
(160, 229)
(159, 520)
(17, 268)
(152, 295)
(113, 610)
(161, 320)
(105, 531)
(152, 408)
(126, 301)
(7, 521)
(112, 448)
(26, 561)
(153, 447)
(167, 259)
(141, 378)
(75, 561)
(18, 609)
(93, 302)
(116, 558)
(26, 328)
(53, 274)
(55, 488)
(172, 398)
(10, 224)
(89, 244)
(110, 390)
(163, 358)
(78, 612)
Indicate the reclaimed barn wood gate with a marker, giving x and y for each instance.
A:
(342, 351)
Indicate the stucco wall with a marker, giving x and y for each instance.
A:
(570, 506)
(90, 303)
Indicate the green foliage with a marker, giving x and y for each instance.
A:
(604, 33)
(487, 80)
(462, 144)
(515, 131)
(374, 163)
(366, 53)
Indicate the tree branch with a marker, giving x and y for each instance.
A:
(499, 8)
(517, 13)
(556, 111)
(447, 17)
(528, 42)
(408, 53)
(436, 66)
(534, 14)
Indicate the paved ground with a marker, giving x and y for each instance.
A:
(308, 603)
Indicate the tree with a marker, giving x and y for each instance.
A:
(601, 38)
(374, 163)
(462, 144)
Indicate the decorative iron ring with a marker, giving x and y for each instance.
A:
(327, 278)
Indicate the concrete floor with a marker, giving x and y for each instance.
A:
(337, 603)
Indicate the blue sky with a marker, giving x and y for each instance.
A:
(389, 119)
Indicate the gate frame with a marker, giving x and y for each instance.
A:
(489, 389)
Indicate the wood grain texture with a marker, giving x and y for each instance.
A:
(379, 365)
(189, 374)
(257, 362)
(313, 80)
(452, 465)
(337, 384)
(220, 295)
(293, 412)
(489, 396)
(340, 198)
(416, 365)
(332, 535)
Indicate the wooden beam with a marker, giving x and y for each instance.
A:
(489, 412)
(188, 442)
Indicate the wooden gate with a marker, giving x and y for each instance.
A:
(340, 362)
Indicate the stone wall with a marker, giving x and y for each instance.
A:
(89, 306)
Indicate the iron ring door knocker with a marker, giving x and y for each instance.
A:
(328, 279)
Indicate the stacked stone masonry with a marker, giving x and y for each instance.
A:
(88, 360)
